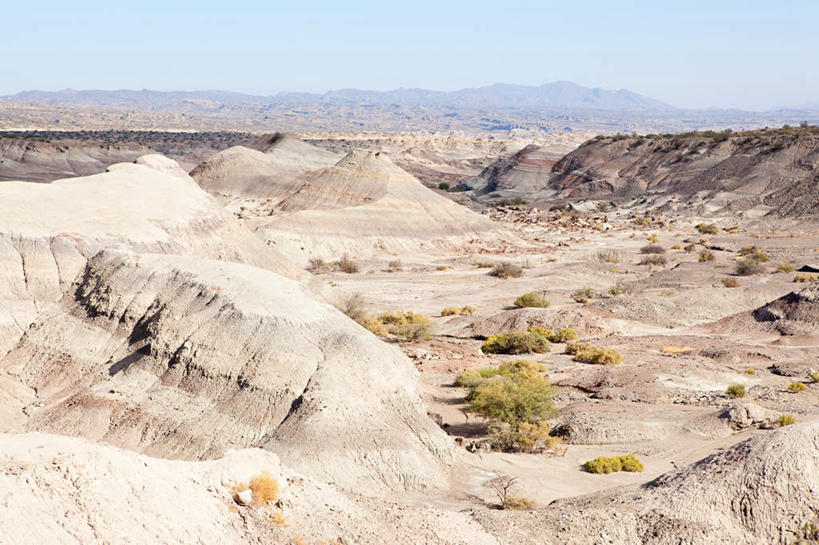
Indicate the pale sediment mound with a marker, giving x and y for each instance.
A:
(50, 230)
(183, 357)
(269, 169)
(528, 172)
(762, 490)
(586, 320)
(365, 205)
(796, 313)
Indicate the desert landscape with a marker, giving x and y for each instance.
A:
(393, 274)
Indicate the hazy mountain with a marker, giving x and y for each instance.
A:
(561, 94)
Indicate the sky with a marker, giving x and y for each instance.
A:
(722, 53)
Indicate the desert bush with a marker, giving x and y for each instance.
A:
(443, 186)
(610, 256)
(531, 300)
(316, 265)
(706, 255)
(468, 310)
(518, 503)
(517, 342)
(653, 238)
(814, 377)
(677, 247)
(616, 290)
(451, 311)
(754, 253)
(786, 268)
(653, 260)
(345, 265)
(643, 222)
(796, 387)
(583, 295)
(263, 485)
(750, 371)
(506, 270)
(375, 326)
(574, 348)
(748, 266)
(562, 335)
(599, 356)
(689, 248)
(484, 264)
(707, 228)
(406, 326)
(534, 437)
(730, 282)
(735, 391)
(806, 278)
(395, 265)
(606, 465)
(353, 307)
(786, 420)
(652, 249)
(513, 399)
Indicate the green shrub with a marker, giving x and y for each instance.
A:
(814, 377)
(406, 326)
(750, 371)
(513, 399)
(796, 387)
(443, 186)
(506, 270)
(583, 295)
(735, 391)
(574, 348)
(563, 335)
(786, 420)
(707, 228)
(606, 465)
(517, 342)
(451, 311)
(531, 300)
(599, 356)
(748, 266)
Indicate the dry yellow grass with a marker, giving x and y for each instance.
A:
(674, 350)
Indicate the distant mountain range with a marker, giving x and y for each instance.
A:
(557, 95)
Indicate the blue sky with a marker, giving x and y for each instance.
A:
(747, 54)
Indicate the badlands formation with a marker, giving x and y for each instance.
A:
(170, 372)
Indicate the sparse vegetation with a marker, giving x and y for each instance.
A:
(706, 255)
(730, 282)
(786, 420)
(735, 391)
(806, 278)
(518, 503)
(264, 488)
(748, 266)
(503, 486)
(345, 265)
(677, 247)
(616, 290)
(574, 348)
(652, 249)
(598, 356)
(518, 342)
(754, 253)
(506, 270)
(653, 238)
(707, 228)
(786, 268)
(354, 307)
(395, 265)
(653, 260)
(606, 465)
(750, 371)
(690, 248)
(796, 387)
(406, 326)
(531, 300)
(468, 310)
(610, 256)
(814, 377)
(583, 295)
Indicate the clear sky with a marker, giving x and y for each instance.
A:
(721, 53)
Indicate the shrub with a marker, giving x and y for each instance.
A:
(730, 282)
(264, 487)
(754, 253)
(689, 248)
(606, 465)
(406, 326)
(345, 265)
(653, 260)
(707, 228)
(531, 300)
(735, 391)
(353, 307)
(513, 399)
(442, 268)
(562, 335)
(574, 348)
(375, 326)
(316, 265)
(451, 311)
(796, 387)
(814, 377)
(599, 356)
(786, 268)
(616, 290)
(786, 420)
(484, 264)
(395, 265)
(518, 503)
(610, 256)
(677, 247)
(517, 342)
(706, 255)
(806, 278)
(583, 295)
(443, 186)
(748, 266)
(534, 437)
(506, 270)
(468, 310)
(653, 238)
(750, 371)
(652, 249)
